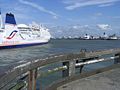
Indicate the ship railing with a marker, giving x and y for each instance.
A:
(26, 76)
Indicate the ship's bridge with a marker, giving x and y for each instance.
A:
(24, 29)
(22, 26)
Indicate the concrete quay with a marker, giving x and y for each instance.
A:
(109, 80)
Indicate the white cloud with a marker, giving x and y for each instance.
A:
(55, 17)
(106, 5)
(104, 27)
(76, 27)
(72, 4)
(73, 20)
(81, 30)
(80, 26)
(40, 8)
(98, 14)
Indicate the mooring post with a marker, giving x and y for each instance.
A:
(117, 60)
(65, 73)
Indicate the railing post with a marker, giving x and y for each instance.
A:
(72, 67)
(65, 73)
(40, 81)
(82, 53)
(117, 60)
(32, 77)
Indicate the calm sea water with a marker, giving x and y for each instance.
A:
(12, 57)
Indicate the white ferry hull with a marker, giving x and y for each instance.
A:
(16, 36)
(21, 45)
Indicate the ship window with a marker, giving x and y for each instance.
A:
(1, 31)
(23, 28)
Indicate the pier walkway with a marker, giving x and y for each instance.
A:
(109, 80)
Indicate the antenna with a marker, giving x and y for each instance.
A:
(1, 22)
(0, 11)
(0, 18)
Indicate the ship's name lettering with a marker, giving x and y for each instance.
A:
(10, 42)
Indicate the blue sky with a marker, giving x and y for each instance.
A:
(105, 14)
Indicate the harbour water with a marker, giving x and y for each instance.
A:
(9, 58)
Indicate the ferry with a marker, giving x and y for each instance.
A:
(21, 35)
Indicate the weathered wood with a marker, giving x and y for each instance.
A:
(32, 77)
(35, 79)
(30, 80)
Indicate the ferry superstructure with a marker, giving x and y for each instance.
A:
(14, 36)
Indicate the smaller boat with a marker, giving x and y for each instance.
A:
(113, 37)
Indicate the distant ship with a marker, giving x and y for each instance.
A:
(14, 36)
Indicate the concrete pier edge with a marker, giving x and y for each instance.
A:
(66, 80)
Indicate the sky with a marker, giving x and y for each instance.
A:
(102, 15)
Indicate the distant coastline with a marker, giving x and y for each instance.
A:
(81, 39)
(91, 37)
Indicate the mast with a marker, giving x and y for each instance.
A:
(1, 22)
